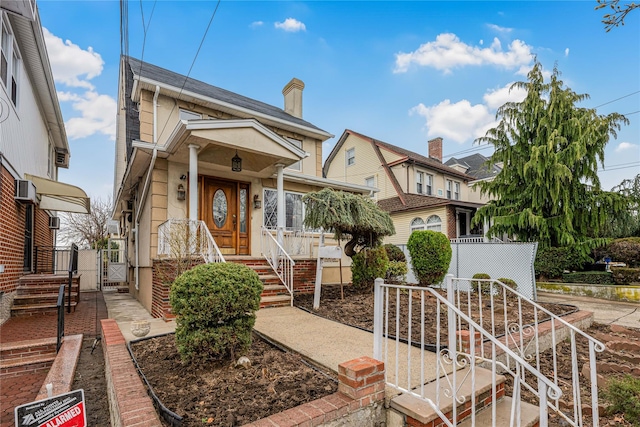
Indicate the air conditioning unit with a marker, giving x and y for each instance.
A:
(25, 191)
(62, 159)
(54, 222)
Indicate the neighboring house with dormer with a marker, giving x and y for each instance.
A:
(33, 146)
(419, 192)
(480, 168)
(233, 168)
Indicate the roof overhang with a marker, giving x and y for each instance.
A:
(58, 196)
(140, 83)
(137, 166)
(324, 182)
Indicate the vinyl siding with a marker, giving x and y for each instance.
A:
(402, 222)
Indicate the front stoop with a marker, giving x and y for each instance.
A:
(418, 413)
(38, 294)
(274, 293)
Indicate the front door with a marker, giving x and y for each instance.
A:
(225, 211)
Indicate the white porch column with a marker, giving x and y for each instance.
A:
(485, 229)
(281, 206)
(193, 181)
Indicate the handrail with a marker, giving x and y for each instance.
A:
(60, 326)
(213, 254)
(522, 336)
(183, 237)
(279, 260)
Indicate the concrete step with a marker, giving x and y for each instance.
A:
(529, 415)
(422, 413)
(275, 301)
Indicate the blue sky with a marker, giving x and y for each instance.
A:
(402, 72)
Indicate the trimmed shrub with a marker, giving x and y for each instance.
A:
(592, 277)
(552, 262)
(367, 265)
(509, 282)
(396, 271)
(485, 287)
(625, 250)
(215, 308)
(625, 276)
(394, 253)
(624, 397)
(430, 255)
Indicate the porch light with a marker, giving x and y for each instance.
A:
(257, 203)
(182, 194)
(236, 163)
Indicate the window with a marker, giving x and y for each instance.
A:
(456, 190)
(417, 224)
(9, 62)
(429, 185)
(297, 166)
(189, 115)
(449, 184)
(294, 212)
(419, 182)
(351, 156)
(434, 223)
(370, 182)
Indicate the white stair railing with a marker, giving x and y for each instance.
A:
(457, 357)
(178, 238)
(278, 259)
(505, 306)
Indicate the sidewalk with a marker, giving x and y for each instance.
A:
(625, 314)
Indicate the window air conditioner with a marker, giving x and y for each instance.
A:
(25, 191)
(54, 222)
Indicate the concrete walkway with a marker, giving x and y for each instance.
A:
(625, 314)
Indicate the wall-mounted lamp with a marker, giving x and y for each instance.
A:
(183, 177)
(236, 163)
(257, 203)
(182, 194)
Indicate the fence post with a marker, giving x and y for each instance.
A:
(377, 319)
(451, 318)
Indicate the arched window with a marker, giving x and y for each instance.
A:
(434, 223)
(417, 224)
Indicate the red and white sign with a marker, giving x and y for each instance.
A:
(65, 410)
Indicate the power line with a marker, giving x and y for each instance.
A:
(145, 29)
(617, 99)
(636, 165)
(469, 150)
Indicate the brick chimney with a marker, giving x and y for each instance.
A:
(435, 149)
(293, 97)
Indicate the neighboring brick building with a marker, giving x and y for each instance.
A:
(33, 145)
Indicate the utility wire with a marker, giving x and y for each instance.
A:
(617, 99)
(145, 29)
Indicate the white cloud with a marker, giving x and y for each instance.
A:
(291, 25)
(499, 29)
(98, 114)
(459, 122)
(566, 52)
(256, 24)
(497, 98)
(448, 52)
(481, 42)
(71, 65)
(623, 146)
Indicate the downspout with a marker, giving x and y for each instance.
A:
(147, 183)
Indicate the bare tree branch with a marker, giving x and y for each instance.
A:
(87, 230)
(619, 13)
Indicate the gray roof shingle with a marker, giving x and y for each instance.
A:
(478, 166)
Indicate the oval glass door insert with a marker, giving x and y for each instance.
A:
(220, 208)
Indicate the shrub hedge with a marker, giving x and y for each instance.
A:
(430, 255)
(394, 253)
(552, 262)
(485, 287)
(367, 265)
(593, 277)
(215, 308)
(625, 275)
(623, 396)
(509, 282)
(397, 270)
(625, 250)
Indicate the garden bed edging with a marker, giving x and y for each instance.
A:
(629, 293)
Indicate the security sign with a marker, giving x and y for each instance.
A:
(64, 410)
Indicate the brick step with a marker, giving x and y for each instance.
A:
(47, 279)
(270, 279)
(37, 309)
(41, 299)
(529, 415)
(45, 289)
(34, 364)
(421, 412)
(275, 301)
(273, 290)
(20, 349)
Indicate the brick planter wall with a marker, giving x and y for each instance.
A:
(164, 273)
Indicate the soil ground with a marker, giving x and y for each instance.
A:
(90, 376)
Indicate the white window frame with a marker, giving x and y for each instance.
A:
(297, 166)
(419, 182)
(428, 185)
(350, 157)
(434, 223)
(11, 55)
(417, 224)
(449, 189)
(456, 190)
(273, 216)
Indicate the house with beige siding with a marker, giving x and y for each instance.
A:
(419, 192)
(210, 173)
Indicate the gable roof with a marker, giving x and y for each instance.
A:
(419, 201)
(478, 166)
(407, 156)
(193, 90)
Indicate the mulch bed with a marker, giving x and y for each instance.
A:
(223, 395)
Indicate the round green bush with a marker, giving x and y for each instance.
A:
(396, 271)
(367, 265)
(430, 255)
(485, 287)
(215, 308)
(509, 282)
(394, 253)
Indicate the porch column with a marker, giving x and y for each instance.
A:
(281, 206)
(485, 229)
(193, 181)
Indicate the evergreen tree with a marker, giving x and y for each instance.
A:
(548, 190)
